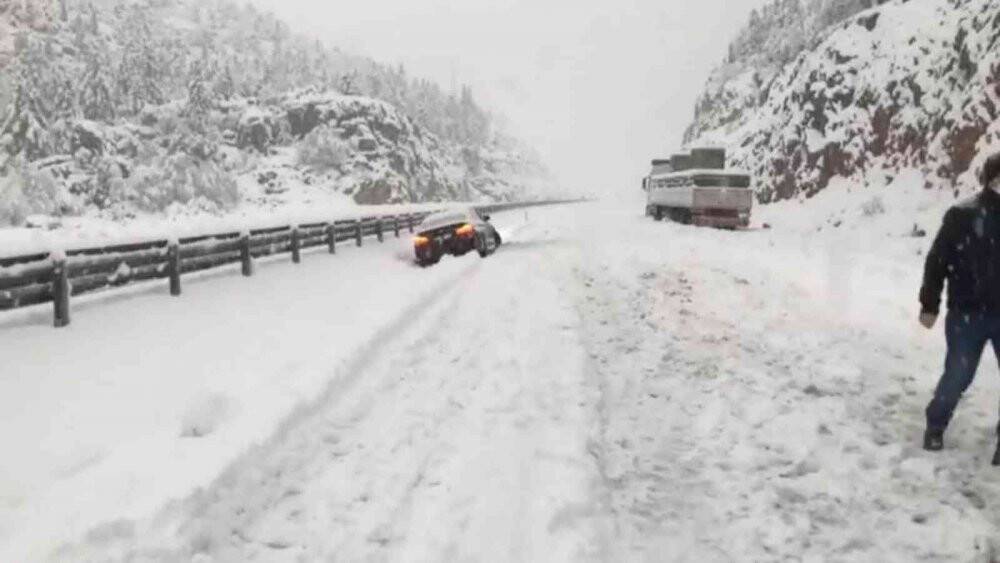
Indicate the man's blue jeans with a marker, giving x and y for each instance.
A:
(966, 335)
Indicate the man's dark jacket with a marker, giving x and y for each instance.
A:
(966, 252)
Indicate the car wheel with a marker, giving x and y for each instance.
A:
(430, 260)
(481, 246)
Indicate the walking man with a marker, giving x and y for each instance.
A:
(966, 252)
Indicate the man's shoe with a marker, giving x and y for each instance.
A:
(934, 440)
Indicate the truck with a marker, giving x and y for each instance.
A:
(695, 188)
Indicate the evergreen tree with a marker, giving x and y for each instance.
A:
(348, 84)
(96, 99)
(94, 24)
(141, 70)
(225, 86)
(43, 96)
(199, 91)
(24, 130)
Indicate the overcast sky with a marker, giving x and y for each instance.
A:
(599, 88)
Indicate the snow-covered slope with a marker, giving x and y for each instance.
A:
(168, 107)
(906, 85)
(19, 16)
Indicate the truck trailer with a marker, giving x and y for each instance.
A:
(695, 188)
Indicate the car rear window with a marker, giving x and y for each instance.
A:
(444, 219)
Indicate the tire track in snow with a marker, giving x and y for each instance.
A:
(266, 463)
(741, 427)
(461, 434)
(648, 494)
(273, 527)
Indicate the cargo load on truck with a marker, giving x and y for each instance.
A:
(695, 188)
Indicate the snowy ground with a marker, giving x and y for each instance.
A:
(603, 388)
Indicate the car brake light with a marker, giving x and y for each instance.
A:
(421, 240)
(465, 231)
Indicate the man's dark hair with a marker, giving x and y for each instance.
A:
(990, 170)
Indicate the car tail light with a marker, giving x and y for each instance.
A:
(465, 231)
(421, 241)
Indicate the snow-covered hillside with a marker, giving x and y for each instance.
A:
(183, 107)
(908, 85)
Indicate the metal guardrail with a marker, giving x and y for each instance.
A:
(34, 279)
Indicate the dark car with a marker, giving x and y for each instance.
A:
(456, 233)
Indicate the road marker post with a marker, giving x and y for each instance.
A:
(60, 293)
(296, 246)
(331, 237)
(245, 258)
(174, 268)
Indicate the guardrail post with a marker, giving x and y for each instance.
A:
(379, 227)
(409, 222)
(174, 268)
(245, 257)
(331, 237)
(296, 246)
(357, 231)
(395, 224)
(60, 293)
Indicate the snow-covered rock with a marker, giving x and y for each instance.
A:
(909, 84)
(42, 222)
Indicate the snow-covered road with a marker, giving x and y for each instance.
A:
(604, 388)
(463, 435)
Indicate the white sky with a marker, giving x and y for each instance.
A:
(598, 87)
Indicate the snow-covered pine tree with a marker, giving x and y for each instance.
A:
(224, 86)
(142, 70)
(96, 99)
(94, 23)
(347, 84)
(43, 95)
(200, 92)
(24, 126)
(96, 85)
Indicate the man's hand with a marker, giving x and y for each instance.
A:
(928, 320)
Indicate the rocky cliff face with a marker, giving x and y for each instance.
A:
(387, 157)
(906, 85)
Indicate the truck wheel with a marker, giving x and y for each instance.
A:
(658, 213)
